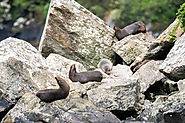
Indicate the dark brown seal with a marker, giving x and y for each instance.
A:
(131, 29)
(50, 95)
(84, 77)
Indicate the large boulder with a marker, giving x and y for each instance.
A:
(168, 109)
(159, 49)
(75, 33)
(121, 95)
(174, 65)
(23, 70)
(30, 109)
(132, 46)
(148, 74)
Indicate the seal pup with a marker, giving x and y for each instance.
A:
(131, 29)
(84, 77)
(105, 65)
(50, 95)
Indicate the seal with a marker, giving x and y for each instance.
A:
(84, 77)
(50, 95)
(105, 65)
(131, 29)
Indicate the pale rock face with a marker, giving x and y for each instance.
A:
(132, 46)
(174, 65)
(121, 71)
(114, 95)
(75, 33)
(148, 74)
(23, 69)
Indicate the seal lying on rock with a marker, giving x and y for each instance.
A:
(84, 77)
(131, 29)
(105, 65)
(50, 95)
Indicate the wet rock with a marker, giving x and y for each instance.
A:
(132, 46)
(174, 65)
(75, 33)
(29, 109)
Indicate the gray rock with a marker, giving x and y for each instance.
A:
(148, 74)
(30, 109)
(132, 46)
(167, 109)
(159, 48)
(23, 69)
(121, 72)
(116, 95)
(75, 33)
(181, 85)
(174, 65)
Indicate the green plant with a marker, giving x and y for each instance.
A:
(181, 15)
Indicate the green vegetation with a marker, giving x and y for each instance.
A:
(23, 8)
(181, 15)
(160, 13)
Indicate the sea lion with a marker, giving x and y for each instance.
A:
(84, 77)
(50, 95)
(131, 29)
(105, 65)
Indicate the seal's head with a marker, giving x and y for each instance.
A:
(61, 82)
(141, 26)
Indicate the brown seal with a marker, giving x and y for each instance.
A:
(50, 95)
(131, 29)
(84, 77)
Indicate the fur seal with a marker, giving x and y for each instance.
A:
(84, 77)
(105, 65)
(50, 95)
(131, 29)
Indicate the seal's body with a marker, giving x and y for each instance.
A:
(105, 65)
(131, 29)
(84, 77)
(50, 95)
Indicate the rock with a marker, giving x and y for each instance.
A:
(23, 70)
(132, 46)
(115, 95)
(5, 105)
(29, 109)
(60, 65)
(181, 85)
(148, 74)
(121, 71)
(75, 33)
(168, 109)
(159, 48)
(175, 114)
(174, 65)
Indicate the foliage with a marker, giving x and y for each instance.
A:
(23, 8)
(181, 15)
(30, 9)
(159, 13)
